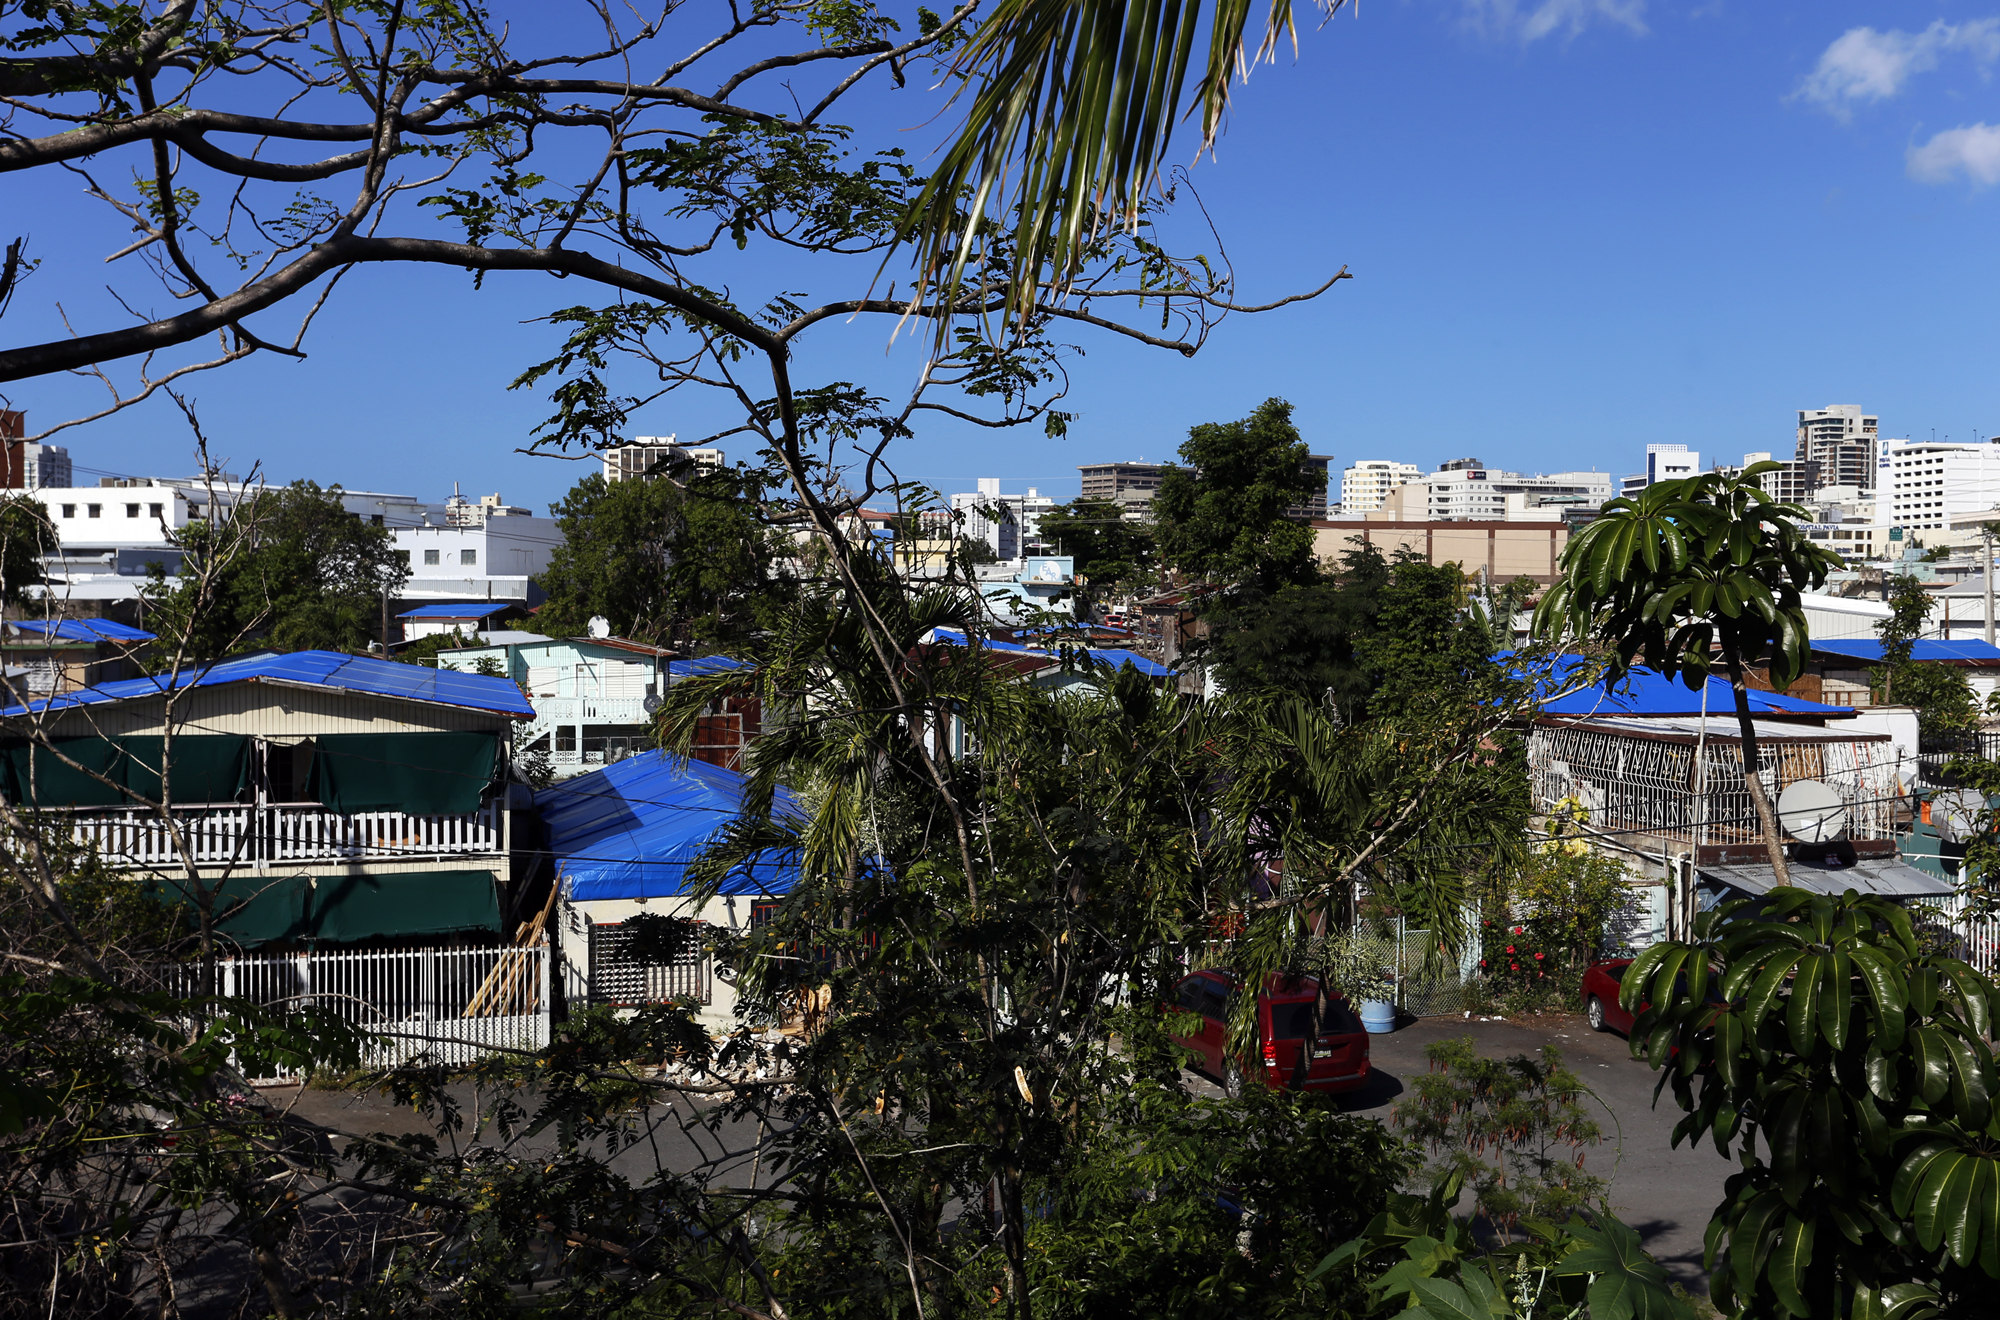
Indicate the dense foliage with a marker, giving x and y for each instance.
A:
(1850, 1067)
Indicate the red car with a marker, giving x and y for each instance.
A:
(1293, 1058)
(1600, 995)
(1601, 982)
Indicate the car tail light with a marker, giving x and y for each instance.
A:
(1270, 1054)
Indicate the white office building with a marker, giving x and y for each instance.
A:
(1365, 486)
(1922, 484)
(1663, 463)
(490, 557)
(1480, 494)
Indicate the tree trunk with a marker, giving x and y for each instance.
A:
(1767, 817)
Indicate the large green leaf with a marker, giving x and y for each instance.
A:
(1628, 1283)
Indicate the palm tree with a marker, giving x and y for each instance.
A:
(1688, 573)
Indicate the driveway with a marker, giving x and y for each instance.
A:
(1667, 1194)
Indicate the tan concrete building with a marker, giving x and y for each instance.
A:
(1505, 550)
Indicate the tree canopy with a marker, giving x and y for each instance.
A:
(289, 568)
(682, 561)
(1110, 551)
(1223, 515)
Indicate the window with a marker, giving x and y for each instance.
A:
(468, 556)
(154, 511)
(69, 511)
(565, 737)
(94, 510)
(763, 911)
(375, 519)
(131, 511)
(430, 556)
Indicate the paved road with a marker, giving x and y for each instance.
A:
(1664, 1193)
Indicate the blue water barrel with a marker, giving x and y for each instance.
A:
(1378, 1016)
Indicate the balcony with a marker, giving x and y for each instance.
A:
(234, 834)
(1676, 784)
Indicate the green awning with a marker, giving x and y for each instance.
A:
(348, 909)
(206, 768)
(422, 774)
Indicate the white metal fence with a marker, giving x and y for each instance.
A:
(450, 1006)
(1977, 941)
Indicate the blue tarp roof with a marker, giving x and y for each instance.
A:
(1870, 648)
(455, 611)
(708, 664)
(1116, 657)
(1648, 692)
(631, 829)
(85, 630)
(325, 669)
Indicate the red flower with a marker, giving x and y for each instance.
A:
(1510, 948)
(1538, 957)
(1514, 967)
(1482, 962)
(1517, 930)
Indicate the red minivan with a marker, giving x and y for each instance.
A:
(1292, 1057)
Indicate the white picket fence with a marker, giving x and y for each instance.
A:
(449, 1006)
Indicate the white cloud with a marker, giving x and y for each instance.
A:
(1865, 65)
(1531, 20)
(1973, 151)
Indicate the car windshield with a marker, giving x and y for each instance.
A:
(1291, 1019)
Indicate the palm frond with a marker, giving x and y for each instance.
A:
(1077, 101)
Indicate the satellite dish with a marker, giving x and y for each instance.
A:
(651, 705)
(1812, 812)
(1955, 814)
(599, 626)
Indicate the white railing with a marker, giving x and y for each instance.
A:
(302, 833)
(225, 835)
(131, 836)
(447, 1006)
(586, 710)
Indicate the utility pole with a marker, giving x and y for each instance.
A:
(1986, 533)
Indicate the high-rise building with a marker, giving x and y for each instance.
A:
(1921, 484)
(1663, 463)
(1842, 440)
(1364, 486)
(655, 456)
(1010, 525)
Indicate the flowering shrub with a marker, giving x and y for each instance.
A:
(1523, 966)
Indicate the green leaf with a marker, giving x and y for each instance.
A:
(1800, 1012)
(1758, 1002)
(1791, 1263)
(1445, 1300)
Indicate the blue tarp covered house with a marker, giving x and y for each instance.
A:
(621, 841)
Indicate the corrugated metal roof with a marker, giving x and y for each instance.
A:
(458, 611)
(84, 630)
(1720, 728)
(1885, 876)
(320, 669)
(632, 829)
(1924, 648)
(1647, 692)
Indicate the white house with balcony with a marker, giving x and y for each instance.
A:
(323, 798)
(589, 694)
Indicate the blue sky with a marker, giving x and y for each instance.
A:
(1576, 227)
